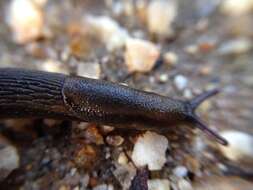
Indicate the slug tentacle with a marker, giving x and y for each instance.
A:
(194, 103)
(208, 131)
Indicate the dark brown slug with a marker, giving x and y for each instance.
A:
(26, 93)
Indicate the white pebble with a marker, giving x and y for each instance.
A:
(235, 46)
(236, 7)
(140, 55)
(181, 82)
(180, 171)
(240, 145)
(103, 187)
(170, 58)
(150, 150)
(163, 78)
(184, 185)
(26, 20)
(51, 65)
(188, 93)
(122, 159)
(161, 14)
(191, 49)
(108, 31)
(158, 184)
(89, 70)
(9, 158)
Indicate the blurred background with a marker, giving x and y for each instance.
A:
(175, 48)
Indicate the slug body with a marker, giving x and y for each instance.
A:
(26, 93)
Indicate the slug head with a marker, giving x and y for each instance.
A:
(193, 118)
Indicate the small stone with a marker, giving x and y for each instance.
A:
(140, 55)
(214, 182)
(122, 159)
(114, 140)
(141, 10)
(40, 2)
(183, 184)
(206, 70)
(202, 25)
(163, 78)
(240, 145)
(160, 16)
(116, 7)
(124, 174)
(64, 187)
(158, 184)
(90, 70)
(170, 58)
(103, 187)
(181, 82)
(108, 31)
(150, 150)
(54, 66)
(106, 129)
(26, 20)
(100, 187)
(86, 157)
(188, 93)
(73, 171)
(85, 180)
(191, 49)
(9, 158)
(206, 47)
(180, 171)
(83, 125)
(92, 135)
(235, 46)
(81, 45)
(236, 7)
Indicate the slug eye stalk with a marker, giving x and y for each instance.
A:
(194, 103)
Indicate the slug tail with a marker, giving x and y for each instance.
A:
(195, 102)
(203, 127)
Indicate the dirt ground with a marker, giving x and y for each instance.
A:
(72, 155)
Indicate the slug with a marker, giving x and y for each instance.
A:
(27, 93)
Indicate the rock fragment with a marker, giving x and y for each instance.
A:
(9, 158)
(160, 16)
(236, 7)
(108, 31)
(150, 150)
(158, 184)
(235, 46)
(115, 140)
(170, 58)
(222, 182)
(103, 187)
(52, 65)
(89, 70)
(180, 171)
(181, 82)
(26, 20)
(240, 145)
(140, 55)
(183, 184)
